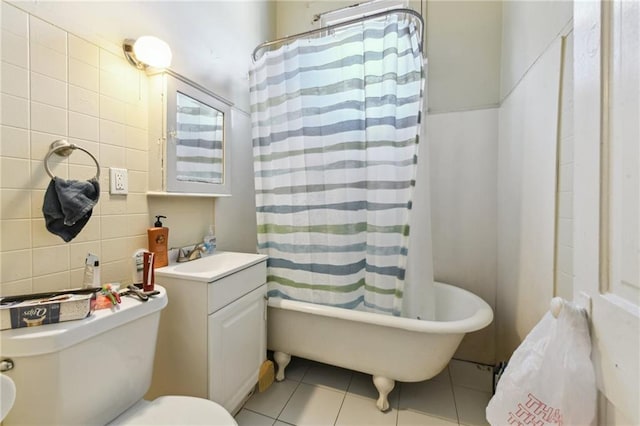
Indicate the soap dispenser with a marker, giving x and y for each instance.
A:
(158, 241)
(209, 241)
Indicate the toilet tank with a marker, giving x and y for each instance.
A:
(86, 371)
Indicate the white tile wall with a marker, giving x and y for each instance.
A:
(51, 259)
(55, 85)
(53, 281)
(112, 133)
(15, 204)
(15, 111)
(83, 75)
(48, 119)
(48, 61)
(82, 126)
(15, 80)
(48, 90)
(84, 51)
(83, 101)
(15, 48)
(16, 234)
(47, 35)
(15, 172)
(15, 21)
(14, 143)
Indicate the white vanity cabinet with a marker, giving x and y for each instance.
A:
(212, 338)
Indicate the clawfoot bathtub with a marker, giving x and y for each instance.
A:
(387, 347)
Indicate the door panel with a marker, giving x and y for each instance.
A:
(606, 208)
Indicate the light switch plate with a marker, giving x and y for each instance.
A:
(118, 181)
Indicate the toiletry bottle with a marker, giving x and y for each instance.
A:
(137, 266)
(97, 282)
(90, 271)
(148, 277)
(87, 281)
(209, 241)
(158, 240)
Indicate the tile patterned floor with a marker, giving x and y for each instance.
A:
(315, 394)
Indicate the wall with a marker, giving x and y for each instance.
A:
(463, 164)
(463, 47)
(527, 155)
(463, 50)
(526, 200)
(56, 85)
(236, 227)
(528, 28)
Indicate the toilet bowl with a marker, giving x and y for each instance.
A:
(96, 371)
(7, 395)
(175, 410)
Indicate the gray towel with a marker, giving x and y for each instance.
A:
(68, 205)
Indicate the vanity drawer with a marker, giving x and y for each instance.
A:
(227, 289)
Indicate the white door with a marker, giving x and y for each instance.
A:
(607, 196)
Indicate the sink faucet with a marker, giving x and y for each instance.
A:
(194, 253)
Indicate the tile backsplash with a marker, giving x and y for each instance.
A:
(55, 85)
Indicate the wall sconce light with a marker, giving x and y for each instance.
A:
(147, 52)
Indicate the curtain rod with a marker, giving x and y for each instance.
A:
(417, 15)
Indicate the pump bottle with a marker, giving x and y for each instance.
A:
(209, 241)
(158, 240)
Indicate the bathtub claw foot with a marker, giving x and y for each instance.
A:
(384, 386)
(282, 359)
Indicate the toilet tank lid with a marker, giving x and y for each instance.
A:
(31, 341)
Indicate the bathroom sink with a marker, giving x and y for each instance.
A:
(212, 267)
(7, 395)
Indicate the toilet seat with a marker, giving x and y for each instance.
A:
(176, 410)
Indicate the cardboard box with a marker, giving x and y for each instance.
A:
(35, 312)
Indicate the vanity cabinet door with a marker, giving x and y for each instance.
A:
(237, 348)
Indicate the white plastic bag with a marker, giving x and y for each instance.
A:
(550, 378)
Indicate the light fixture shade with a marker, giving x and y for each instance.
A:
(152, 52)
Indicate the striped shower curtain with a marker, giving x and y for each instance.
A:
(335, 132)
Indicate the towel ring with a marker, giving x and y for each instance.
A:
(64, 149)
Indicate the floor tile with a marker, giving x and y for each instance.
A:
(328, 376)
(412, 418)
(297, 368)
(357, 411)
(249, 418)
(471, 375)
(443, 376)
(471, 405)
(362, 386)
(272, 401)
(429, 397)
(312, 405)
(280, 423)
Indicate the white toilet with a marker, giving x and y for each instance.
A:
(96, 371)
